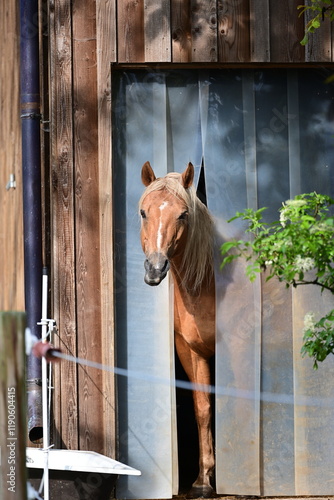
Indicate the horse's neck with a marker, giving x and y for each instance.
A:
(186, 288)
(178, 273)
(194, 314)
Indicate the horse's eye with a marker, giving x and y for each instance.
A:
(143, 214)
(184, 215)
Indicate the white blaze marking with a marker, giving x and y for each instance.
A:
(159, 235)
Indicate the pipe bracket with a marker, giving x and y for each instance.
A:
(31, 116)
(11, 184)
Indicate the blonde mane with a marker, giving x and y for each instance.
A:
(197, 262)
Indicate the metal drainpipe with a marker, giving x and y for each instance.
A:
(32, 219)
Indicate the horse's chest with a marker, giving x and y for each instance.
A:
(194, 321)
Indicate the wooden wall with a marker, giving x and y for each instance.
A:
(83, 39)
(202, 31)
(11, 230)
(82, 294)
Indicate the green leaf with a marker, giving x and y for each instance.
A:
(228, 245)
(228, 259)
(304, 41)
(315, 23)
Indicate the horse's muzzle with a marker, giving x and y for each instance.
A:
(156, 267)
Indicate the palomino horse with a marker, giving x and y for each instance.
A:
(177, 234)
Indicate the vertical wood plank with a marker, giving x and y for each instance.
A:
(233, 31)
(11, 231)
(130, 30)
(45, 129)
(87, 223)
(194, 30)
(204, 31)
(259, 31)
(332, 44)
(319, 47)
(13, 477)
(106, 26)
(286, 31)
(63, 279)
(157, 31)
(106, 52)
(181, 31)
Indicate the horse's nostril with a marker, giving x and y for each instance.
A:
(156, 263)
(165, 267)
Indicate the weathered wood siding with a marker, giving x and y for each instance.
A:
(84, 39)
(231, 31)
(80, 400)
(11, 232)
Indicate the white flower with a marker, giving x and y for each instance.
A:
(296, 203)
(309, 322)
(286, 209)
(283, 216)
(268, 262)
(303, 264)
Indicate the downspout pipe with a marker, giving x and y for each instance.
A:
(32, 217)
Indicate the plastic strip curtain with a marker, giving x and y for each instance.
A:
(277, 422)
(156, 122)
(262, 136)
(268, 138)
(143, 313)
(230, 172)
(314, 391)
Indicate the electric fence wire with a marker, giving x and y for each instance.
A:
(267, 397)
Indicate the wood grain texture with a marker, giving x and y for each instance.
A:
(106, 52)
(13, 475)
(45, 132)
(87, 224)
(194, 31)
(130, 31)
(320, 44)
(63, 234)
(85, 37)
(157, 31)
(204, 31)
(181, 30)
(259, 31)
(233, 31)
(11, 231)
(286, 31)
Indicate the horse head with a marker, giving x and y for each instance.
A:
(164, 220)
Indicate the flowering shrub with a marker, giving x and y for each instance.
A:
(299, 250)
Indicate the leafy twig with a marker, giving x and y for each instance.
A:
(301, 241)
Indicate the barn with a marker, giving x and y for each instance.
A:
(223, 84)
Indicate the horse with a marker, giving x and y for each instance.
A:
(177, 235)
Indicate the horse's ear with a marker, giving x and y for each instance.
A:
(188, 176)
(147, 174)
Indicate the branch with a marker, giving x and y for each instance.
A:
(314, 282)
